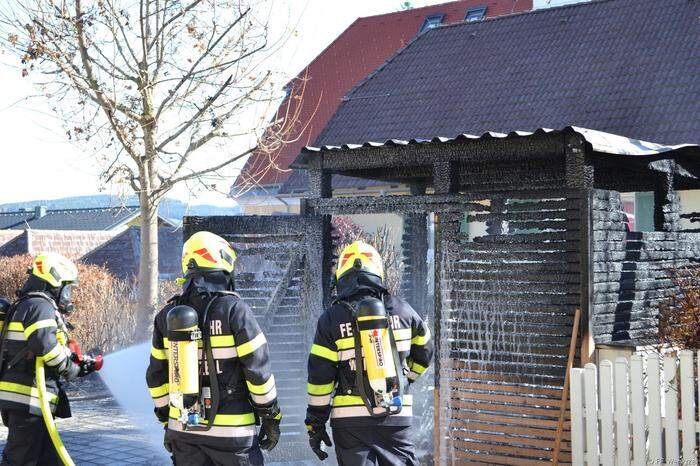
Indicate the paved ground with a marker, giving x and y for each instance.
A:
(100, 433)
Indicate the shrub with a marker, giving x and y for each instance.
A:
(105, 315)
(679, 315)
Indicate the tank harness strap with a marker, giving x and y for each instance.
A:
(211, 365)
(231, 384)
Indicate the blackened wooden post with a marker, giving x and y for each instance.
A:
(666, 202)
(445, 181)
(445, 176)
(415, 254)
(318, 240)
(495, 225)
(579, 176)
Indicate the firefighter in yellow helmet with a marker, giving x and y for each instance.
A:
(211, 406)
(366, 398)
(34, 327)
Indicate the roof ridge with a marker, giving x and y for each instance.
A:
(76, 209)
(413, 10)
(579, 4)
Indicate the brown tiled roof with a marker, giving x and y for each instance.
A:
(360, 49)
(628, 67)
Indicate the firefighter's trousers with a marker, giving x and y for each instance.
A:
(374, 445)
(202, 453)
(28, 441)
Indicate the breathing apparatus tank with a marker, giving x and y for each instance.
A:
(183, 363)
(377, 372)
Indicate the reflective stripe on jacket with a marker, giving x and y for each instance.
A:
(37, 329)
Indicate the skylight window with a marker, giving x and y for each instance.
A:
(432, 21)
(475, 14)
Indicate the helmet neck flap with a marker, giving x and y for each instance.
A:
(61, 295)
(359, 283)
(200, 285)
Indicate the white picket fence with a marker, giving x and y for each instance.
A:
(622, 414)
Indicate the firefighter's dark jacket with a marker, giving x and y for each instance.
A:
(246, 383)
(36, 329)
(331, 384)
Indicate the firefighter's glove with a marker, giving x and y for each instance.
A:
(269, 432)
(318, 434)
(166, 442)
(162, 414)
(87, 367)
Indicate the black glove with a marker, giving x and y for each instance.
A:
(162, 414)
(318, 434)
(87, 366)
(166, 442)
(269, 433)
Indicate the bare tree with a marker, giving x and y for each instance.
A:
(163, 91)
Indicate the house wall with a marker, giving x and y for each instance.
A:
(690, 202)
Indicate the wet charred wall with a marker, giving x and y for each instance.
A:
(631, 270)
(507, 300)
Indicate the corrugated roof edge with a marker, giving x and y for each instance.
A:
(600, 142)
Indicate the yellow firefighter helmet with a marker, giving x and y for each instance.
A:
(362, 257)
(54, 269)
(207, 251)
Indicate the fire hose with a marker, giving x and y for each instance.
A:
(79, 358)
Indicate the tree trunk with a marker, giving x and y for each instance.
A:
(148, 265)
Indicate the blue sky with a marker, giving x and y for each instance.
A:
(39, 163)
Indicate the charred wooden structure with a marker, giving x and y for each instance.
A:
(545, 234)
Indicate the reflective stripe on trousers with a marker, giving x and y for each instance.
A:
(215, 431)
(361, 410)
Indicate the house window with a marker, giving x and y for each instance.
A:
(432, 21)
(638, 209)
(475, 14)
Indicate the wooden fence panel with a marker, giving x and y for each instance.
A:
(607, 450)
(654, 401)
(622, 418)
(639, 452)
(609, 400)
(688, 404)
(577, 416)
(671, 404)
(591, 410)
